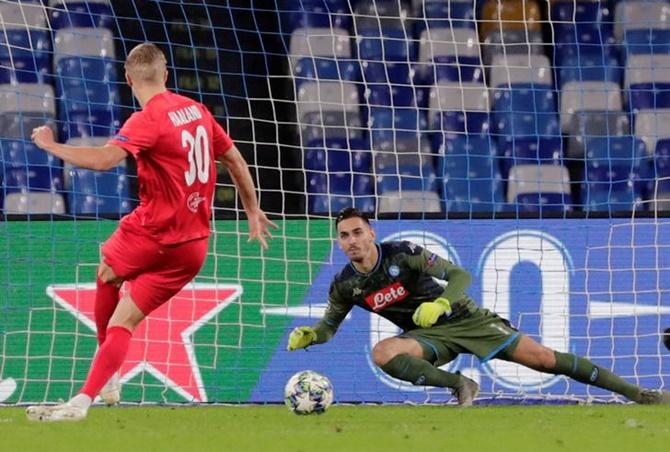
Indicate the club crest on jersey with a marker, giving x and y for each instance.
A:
(387, 296)
(431, 260)
(356, 292)
(394, 271)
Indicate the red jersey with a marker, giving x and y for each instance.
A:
(175, 141)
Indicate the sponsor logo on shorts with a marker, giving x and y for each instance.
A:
(594, 375)
(193, 201)
(387, 296)
(420, 381)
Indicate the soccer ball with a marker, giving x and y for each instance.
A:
(308, 392)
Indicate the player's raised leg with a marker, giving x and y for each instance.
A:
(538, 357)
(406, 359)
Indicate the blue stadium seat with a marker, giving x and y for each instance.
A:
(452, 69)
(588, 65)
(581, 21)
(539, 188)
(390, 84)
(648, 41)
(95, 192)
(32, 178)
(441, 14)
(404, 172)
(318, 13)
(531, 151)
(647, 80)
(389, 45)
(324, 68)
(96, 123)
(612, 173)
(649, 96)
(91, 13)
(86, 83)
(24, 56)
(459, 123)
(23, 153)
(397, 125)
(338, 175)
(470, 178)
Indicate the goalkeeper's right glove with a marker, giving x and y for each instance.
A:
(301, 337)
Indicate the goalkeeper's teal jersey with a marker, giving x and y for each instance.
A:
(399, 283)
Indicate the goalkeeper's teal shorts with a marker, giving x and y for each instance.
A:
(481, 332)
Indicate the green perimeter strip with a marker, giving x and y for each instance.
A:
(48, 352)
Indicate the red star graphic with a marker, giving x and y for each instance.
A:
(162, 344)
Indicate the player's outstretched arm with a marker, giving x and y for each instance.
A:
(98, 158)
(259, 223)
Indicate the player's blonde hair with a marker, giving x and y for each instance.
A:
(146, 62)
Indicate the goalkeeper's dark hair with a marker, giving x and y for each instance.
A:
(350, 212)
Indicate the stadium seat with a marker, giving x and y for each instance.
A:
(585, 65)
(508, 15)
(647, 81)
(382, 34)
(77, 13)
(316, 42)
(338, 175)
(530, 151)
(511, 42)
(524, 69)
(318, 13)
(586, 124)
(324, 68)
(459, 108)
(409, 201)
(461, 44)
(404, 172)
(539, 188)
(588, 96)
(328, 108)
(635, 15)
(23, 153)
(86, 86)
(659, 192)
(470, 177)
(398, 130)
(25, 43)
(98, 192)
(648, 41)
(652, 126)
(441, 14)
(29, 202)
(390, 84)
(613, 173)
(585, 22)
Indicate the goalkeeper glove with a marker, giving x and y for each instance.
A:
(427, 313)
(301, 337)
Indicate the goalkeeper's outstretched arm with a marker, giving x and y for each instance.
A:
(324, 329)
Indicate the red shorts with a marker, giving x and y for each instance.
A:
(155, 272)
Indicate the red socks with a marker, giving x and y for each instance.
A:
(106, 299)
(108, 360)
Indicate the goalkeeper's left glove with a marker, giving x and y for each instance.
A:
(427, 313)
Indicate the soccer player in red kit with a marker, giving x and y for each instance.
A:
(161, 245)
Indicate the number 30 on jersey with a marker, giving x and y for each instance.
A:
(198, 155)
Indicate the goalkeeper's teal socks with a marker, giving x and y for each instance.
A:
(584, 371)
(419, 372)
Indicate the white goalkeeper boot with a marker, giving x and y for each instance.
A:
(55, 413)
(111, 392)
(466, 391)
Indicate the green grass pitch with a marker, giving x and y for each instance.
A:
(348, 428)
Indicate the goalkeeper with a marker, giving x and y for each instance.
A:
(395, 281)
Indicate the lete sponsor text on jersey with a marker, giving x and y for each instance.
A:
(387, 296)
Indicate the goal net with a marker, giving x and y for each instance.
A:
(523, 140)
